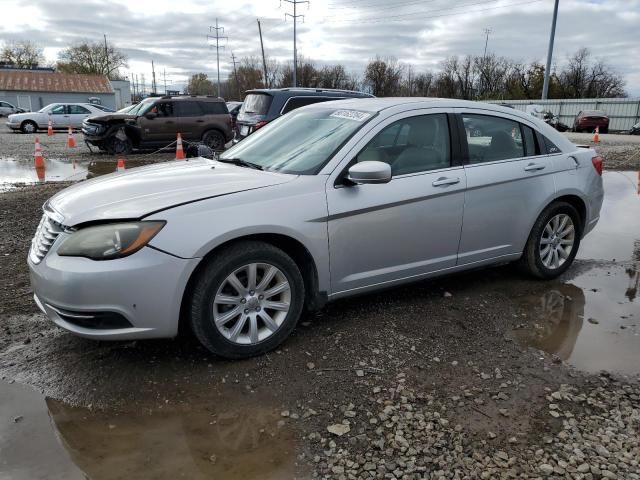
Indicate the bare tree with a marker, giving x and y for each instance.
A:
(384, 76)
(92, 58)
(22, 54)
(583, 78)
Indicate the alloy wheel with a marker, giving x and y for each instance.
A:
(557, 241)
(252, 303)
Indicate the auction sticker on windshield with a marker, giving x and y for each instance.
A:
(351, 115)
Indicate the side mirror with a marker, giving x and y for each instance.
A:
(150, 115)
(369, 172)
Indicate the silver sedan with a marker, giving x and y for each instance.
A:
(331, 200)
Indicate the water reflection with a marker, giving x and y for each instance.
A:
(229, 438)
(593, 322)
(239, 444)
(558, 316)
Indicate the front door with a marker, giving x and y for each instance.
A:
(162, 129)
(384, 233)
(59, 115)
(508, 182)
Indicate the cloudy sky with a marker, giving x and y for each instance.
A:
(418, 32)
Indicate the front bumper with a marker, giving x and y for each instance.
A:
(145, 288)
(13, 126)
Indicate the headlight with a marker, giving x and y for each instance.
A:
(105, 242)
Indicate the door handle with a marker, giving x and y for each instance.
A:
(532, 167)
(199, 121)
(444, 181)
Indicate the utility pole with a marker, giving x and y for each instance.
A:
(547, 70)
(154, 87)
(218, 30)
(235, 74)
(487, 31)
(106, 54)
(295, 50)
(264, 60)
(164, 75)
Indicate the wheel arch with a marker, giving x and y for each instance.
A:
(576, 202)
(314, 298)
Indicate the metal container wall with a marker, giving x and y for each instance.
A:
(623, 112)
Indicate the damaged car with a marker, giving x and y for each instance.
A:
(155, 123)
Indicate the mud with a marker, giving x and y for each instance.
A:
(169, 409)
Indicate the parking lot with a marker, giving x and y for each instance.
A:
(487, 374)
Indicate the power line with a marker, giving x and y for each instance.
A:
(379, 6)
(486, 31)
(218, 30)
(422, 15)
(295, 16)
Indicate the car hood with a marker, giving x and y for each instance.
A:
(100, 117)
(15, 117)
(141, 191)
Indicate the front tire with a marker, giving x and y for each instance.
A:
(553, 242)
(246, 300)
(29, 127)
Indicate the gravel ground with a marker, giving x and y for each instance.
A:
(425, 381)
(620, 152)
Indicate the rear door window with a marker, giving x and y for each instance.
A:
(492, 138)
(530, 145)
(188, 109)
(297, 102)
(257, 104)
(78, 110)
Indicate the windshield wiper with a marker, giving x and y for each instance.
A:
(241, 163)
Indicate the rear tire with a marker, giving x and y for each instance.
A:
(234, 316)
(547, 254)
(214, 140)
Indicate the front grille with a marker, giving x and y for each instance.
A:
(46, 233)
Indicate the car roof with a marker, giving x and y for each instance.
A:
(376, 104)
(297, 91)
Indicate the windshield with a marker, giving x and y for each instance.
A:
(142, 107)
(301, 142)
(257, 103)
(46, 108)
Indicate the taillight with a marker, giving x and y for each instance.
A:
(597, 164)
(260, 124)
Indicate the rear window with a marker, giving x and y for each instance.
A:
(213, 108)
(257, 104)
(594, 113)
(297, 102)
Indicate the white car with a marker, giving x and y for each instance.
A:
(63, 115)
(7, 109)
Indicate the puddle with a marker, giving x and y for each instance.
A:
(617, 235)
(593, 322)
(56, 170)
(228, 439)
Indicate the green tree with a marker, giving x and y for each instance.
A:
(199, 84)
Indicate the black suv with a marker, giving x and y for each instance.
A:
(156, 121)
(263, 105)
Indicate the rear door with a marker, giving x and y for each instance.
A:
(190, 119)
(77, 114)
(509, 180)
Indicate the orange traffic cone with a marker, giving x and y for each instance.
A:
(120, 167)
(40, 173)
(37, 157)
(179, 150)
(71, 142)
(596, 135)
(50, 128)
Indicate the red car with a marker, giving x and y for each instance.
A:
(588, 120)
